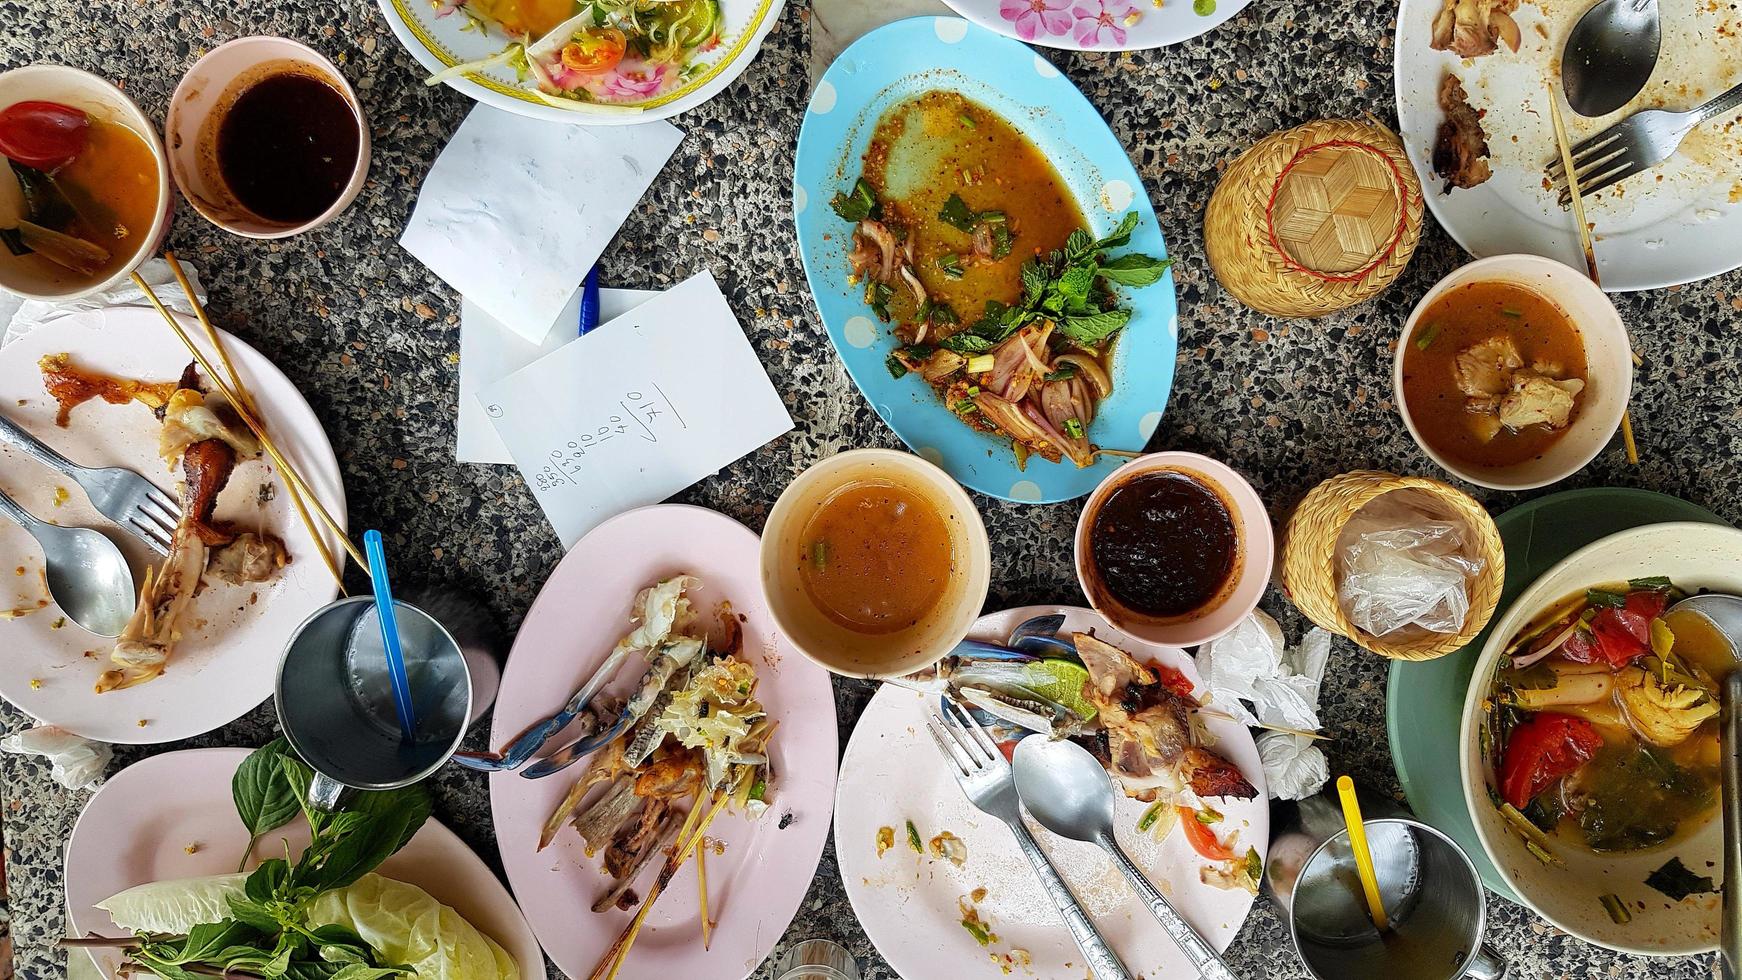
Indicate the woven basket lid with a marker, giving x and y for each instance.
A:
(1314, 219)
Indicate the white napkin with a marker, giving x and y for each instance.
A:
(490, 351)
(76, 763)
(516, 210)
(1252, 663)
(646, 405)
(24, 315)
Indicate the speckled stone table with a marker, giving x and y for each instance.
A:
(372, 339)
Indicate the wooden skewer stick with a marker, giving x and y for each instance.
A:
(1315, 736)
(236, 382)
(1122, 453)
(1566, 149)
(702, 889)
(248, 419)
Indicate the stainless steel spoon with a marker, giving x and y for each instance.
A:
(1725, 613)
(1067, 790)
(1610, 55)
(87, 577)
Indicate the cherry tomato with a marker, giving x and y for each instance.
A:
(42, 135)
(1546, 748)
(595, 52)
(1201, 837)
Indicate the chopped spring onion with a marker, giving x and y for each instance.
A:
(1513, 312)
(968, 121)
(981, 934)
(1535, 841)
(981, 363)
(913, 839)
(820, 558)
(1073, 428)
(1618, 913)
(1207, 816)
(973, 390)
(1426, 336)
(950, 265)
(965, 406)
(1150, 815)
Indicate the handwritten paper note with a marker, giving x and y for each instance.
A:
(648, 404)
(516, 210)
(491, 351)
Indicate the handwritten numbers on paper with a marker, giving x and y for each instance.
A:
(651, 412)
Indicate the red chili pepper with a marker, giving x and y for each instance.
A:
(1542, 750)
(43, 135)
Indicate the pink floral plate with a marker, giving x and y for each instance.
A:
(1099, 25)
(913, 905)
(756, 883)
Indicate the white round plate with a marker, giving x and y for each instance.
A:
(441, 40)
(1099, 25)
(228, 655)
(1679, 223)
(139, 827)
(892, 773)
(756, 884)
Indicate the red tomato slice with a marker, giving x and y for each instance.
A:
(1173, 680)
(594, 52)
(1544, 749)
(42, 135)
(1201, 837)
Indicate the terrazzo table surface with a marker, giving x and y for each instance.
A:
(371, 337)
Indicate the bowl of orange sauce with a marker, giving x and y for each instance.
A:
(111, 197)
(875, 563)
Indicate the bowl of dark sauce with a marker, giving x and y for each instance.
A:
(1174, 548)
(266, 138)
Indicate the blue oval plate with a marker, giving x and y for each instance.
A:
(925, 54)
(1424, 701)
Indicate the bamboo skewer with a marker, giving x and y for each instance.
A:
(217, 343)
(253, 424)
(1315, 736)
(1590, 248)
(702, 890)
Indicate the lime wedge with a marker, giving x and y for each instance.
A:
(1062, 682)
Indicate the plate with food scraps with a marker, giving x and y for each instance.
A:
(634, 796)
(222, 644)
(940, 886)
(171, 817)
(1676, 223)
(1099, 25)
(594, 62)
(985, 259)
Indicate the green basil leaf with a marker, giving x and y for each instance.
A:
(1094, 329)
(958, 215)
(1079, 244)
(1034, 281)
(208, 940)
(415, 801)
(966, 343)
(1121, 235)
(1074, 284)
(262, 793)
(163, 968)
(1135, 269)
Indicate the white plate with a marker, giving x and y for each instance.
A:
(139, 826)
(440, 42)
(1100, 25)
(227, 659)
(1650, 232)
(892, 773)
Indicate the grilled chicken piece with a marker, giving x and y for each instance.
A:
(1473, 28)
(1460, 147)
(622, 857)
(72, 387)
(206, 468)
(144, 646)
(1149, 734)
(1485, 369)
(250, 557)
(672, 776)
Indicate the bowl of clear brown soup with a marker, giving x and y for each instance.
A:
(1174, 548)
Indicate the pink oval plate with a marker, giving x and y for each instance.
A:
(142, 823)
(755, 886)
(227, 658)
(909, 904)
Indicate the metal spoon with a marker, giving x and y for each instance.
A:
(1725, 613)
(1610, 55)
(87, 577)
(1067, 790)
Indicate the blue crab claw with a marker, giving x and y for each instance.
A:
(1047, 626)
(1003, 732)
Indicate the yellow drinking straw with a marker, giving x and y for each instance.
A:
(1363, 856)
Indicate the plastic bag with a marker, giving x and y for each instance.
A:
(1402, 566)
(75, 762)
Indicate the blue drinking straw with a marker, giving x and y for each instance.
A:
(390, 633)
(590, 301)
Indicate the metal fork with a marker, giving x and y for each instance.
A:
(1634, 145)
(123, 496)
(985, 778)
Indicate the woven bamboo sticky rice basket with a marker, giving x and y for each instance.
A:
(1309, 559)
(1315, 219)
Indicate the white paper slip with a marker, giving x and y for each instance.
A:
(648, 404)
(490, 351)
(516, 210)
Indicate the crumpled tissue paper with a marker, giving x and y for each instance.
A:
(76, 763)
(1253, 664)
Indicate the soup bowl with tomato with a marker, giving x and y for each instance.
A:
(84, 183)
(1589, 742)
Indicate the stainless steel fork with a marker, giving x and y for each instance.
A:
(121, 495)
(1635, 145)
(984, 775)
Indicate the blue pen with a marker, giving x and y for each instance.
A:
(377, 555)
(590, 301)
